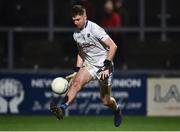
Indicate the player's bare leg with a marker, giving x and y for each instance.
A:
(80, 79)
(109, 101)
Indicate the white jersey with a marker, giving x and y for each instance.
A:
(89, 42)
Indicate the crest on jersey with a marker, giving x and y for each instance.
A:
(88, 35)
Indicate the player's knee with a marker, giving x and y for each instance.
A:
(105, 101)
(76, 84)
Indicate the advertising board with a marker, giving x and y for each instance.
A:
(163, 97)
(31, 94)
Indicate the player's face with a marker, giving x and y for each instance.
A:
(79, 21)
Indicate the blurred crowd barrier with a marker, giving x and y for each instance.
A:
(37, 35)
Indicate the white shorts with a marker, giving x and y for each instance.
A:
(93, 71)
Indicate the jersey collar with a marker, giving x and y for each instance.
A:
(86, 24)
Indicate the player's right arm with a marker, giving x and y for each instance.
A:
(79, 64)
(106, 41)
(79, 61)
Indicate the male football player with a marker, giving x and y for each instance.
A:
(96, 51)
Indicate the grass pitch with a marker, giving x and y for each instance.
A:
(88, 123)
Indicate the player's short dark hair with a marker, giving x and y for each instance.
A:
(78, 10)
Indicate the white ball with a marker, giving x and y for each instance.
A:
(59, 85)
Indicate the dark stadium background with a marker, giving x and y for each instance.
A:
(36, 37)
(150, 34)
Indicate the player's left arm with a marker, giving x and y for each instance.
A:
(112, 48)
(104, 72)
(105, 40)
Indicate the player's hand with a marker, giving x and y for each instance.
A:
(69, 77)
(104, 72)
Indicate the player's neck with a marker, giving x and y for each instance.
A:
(85, 25)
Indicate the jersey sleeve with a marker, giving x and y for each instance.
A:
(99, 33)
